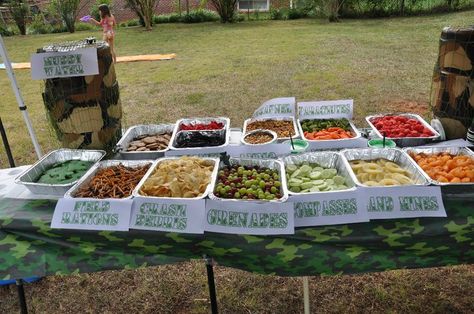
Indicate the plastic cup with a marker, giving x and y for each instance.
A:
(300, 146)
(378, 143)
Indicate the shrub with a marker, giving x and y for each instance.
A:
(84, 27)
(175, 18)
(294, 14)
(161, 19)
(6, 30)
(39, 26)
(239, 17)
(199, 16)
(133, 22)
(59, 29)
(277, 14)
(19, 10)
(226, 9)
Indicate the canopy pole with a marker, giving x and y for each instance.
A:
(306, 295)
(19, 99)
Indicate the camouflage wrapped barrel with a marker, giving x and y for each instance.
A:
(452, 94)
(86, 111)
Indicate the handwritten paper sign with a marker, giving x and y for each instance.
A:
(269, 151)
(336, 144)
(332, 109)
(332, 208)
(172, 215)
(403, 202)
(92, 214)
(80, 62)
(242, 217)
(276, 107)
(200, 152)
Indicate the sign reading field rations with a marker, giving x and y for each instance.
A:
(92, 214)
(331, 109)
(80, 62)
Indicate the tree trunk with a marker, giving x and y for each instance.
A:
(402, 7)
(187, 7)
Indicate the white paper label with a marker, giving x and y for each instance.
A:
(212, 152)
(337, 144)
(184, 216)
(80, 62)
(403, 202)
(332, 109)
(332, 208)
(92, 214)
(242, 217)
(276, 107)
(269, 151)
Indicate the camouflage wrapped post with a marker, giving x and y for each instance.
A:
(85, 111)
(452, 93)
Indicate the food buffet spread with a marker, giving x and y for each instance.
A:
(293, 164)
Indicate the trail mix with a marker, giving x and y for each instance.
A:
(258, 138)
(283, 128)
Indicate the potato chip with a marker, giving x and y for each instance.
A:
(186, 177)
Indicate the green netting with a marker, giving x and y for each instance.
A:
(85, 112)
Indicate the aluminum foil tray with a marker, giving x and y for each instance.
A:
(101, 165)
(177, 129)
(280, 139)
(136, 131)
(346, 140)
(32, 174)
(210, 187)
(393, 154)
(406, 141)
(269, 163)
(434, 150)
(325, 160)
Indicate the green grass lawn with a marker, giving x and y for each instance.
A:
(229, 70)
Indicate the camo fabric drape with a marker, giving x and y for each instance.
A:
(28, 247)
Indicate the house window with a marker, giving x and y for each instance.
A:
(253, 5)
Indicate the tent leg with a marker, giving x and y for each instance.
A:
(306, 295)
(21, 296)
(6, 145)
(211, 283)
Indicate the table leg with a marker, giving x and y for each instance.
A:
(6, 145)
(21, 296)
(306, 295)
(211, 283)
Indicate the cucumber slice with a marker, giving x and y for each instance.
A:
(296, 173)
(314, 189)
(306, 185)
(305, 170)
(339, 180)
(315, 175)
(328, 173)
(291, 168)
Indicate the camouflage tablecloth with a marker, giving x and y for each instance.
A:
(29, 247)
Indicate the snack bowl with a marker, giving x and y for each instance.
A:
(405, 141)
(272, 164)
(260, 132)
(357, 134)
(137, 191)
(178, 133)
(394, 155)
(138, 130)
(28, 177)
(325, 160)
(463, 151)
(87, 178)
(294, 135)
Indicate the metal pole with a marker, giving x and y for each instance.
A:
(6, 145)
(21, 296)
(19, 99)
(211, 283)
(306, 295)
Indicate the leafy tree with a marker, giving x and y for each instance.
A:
(226, 9)
(19, 10)
(68, 10)
(145, 10)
